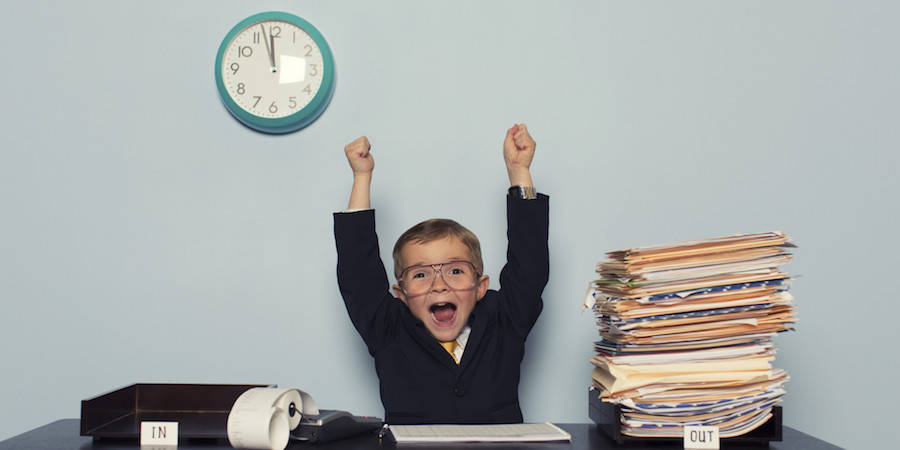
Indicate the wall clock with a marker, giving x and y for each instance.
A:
(275, 72)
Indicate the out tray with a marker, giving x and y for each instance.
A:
(606, 415)
(201, 410)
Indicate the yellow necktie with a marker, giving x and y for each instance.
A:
(450, 346)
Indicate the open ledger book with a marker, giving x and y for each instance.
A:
(515, 432)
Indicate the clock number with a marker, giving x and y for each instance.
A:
(295, 37)
(308, 49)
(240, 89)
(245, 51)
(234, 68)
(292, 102)
(272, 108)
(256, 37)
(307, 89)
(258, 98)
(313, 70)
(275, 31)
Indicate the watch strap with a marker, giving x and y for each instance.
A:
(523, 192)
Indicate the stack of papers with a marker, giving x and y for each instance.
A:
(686, 333)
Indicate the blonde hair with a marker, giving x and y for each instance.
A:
(435, 229)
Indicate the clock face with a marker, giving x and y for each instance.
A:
(272, 69)
(275, 72)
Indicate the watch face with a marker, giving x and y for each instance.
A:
(275, 72)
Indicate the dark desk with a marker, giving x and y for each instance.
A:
(63, 435)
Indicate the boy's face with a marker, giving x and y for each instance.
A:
(443, 309)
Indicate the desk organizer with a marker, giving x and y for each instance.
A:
(201, 410)
(606, 415)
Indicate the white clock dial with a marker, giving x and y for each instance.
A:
(272, 69)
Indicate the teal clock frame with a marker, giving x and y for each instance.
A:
(308, 113)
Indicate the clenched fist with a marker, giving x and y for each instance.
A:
(518, 151)
(359, 155)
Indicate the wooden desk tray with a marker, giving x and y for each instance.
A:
(201, 410)
(606, 416)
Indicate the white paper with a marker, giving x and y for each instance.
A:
(515, 432)
(293, 69)
(589, 297)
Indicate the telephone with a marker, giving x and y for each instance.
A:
(331, 425)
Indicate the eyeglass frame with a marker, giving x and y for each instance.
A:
(440, 270)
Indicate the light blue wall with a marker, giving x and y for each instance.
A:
(148, 237)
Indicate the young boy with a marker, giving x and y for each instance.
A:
(447, 349)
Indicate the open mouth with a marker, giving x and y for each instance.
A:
(443, 313)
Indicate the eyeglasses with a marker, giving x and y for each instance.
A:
(457, 275)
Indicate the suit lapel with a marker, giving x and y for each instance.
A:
(478, 323)
(424, 339)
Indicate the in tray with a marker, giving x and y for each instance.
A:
(201, 410)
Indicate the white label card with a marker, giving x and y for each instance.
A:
(159, 433)
(696, 436)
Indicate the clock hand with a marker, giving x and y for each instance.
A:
(272, 55)
(268, 49)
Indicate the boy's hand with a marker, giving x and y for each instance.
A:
(359, 157)
(518, 151)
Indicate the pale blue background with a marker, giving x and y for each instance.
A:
(149, 237)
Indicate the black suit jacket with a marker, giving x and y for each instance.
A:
(419, 381)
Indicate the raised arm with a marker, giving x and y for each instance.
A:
(360, 158)
(361, 276)
(527, 267)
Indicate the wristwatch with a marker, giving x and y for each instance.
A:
(523, 192)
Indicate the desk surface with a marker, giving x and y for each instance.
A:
(64, 435)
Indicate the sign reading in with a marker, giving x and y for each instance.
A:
(159, 433)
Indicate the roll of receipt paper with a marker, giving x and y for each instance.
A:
(262, 418)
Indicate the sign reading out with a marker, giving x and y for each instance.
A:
(696, 436)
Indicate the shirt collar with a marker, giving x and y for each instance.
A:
(463, 337)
